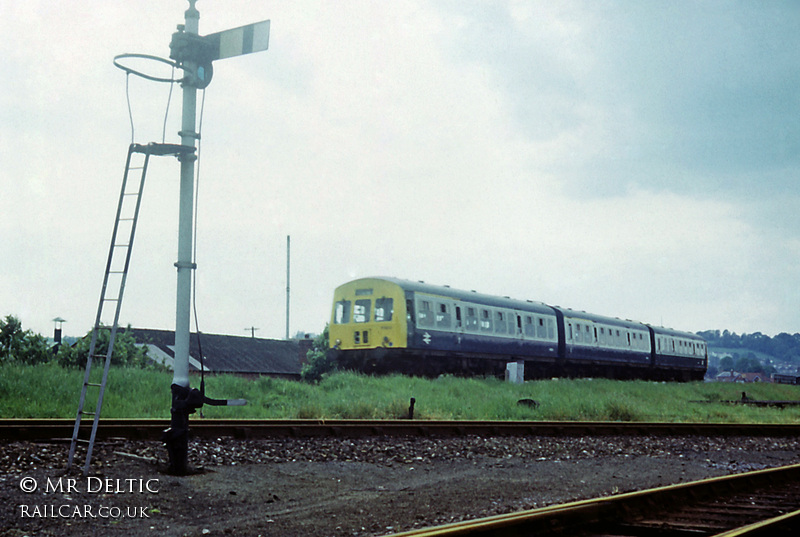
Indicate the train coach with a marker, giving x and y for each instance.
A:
(382, 325)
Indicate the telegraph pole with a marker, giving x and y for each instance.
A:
(194, 54)
(288, 257)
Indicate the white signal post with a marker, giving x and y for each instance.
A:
(186, 213)
(195, 54)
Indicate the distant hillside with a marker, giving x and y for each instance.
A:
(781, 348)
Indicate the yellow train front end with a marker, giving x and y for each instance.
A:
(368, 321)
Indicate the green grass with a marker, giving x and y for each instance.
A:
(50, 391)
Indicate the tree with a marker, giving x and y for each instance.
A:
(22, 346)
(726, 363)
(126, 352)
(319, 359)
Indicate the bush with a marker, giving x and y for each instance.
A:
(126, 351)
(319, 360)
(22, 346)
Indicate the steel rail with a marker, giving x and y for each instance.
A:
(579, 517)
(151, 429)
(787, 524)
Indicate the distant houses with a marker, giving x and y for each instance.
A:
(240, 355)
(733, 376)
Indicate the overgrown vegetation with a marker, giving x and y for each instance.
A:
(51, 391)
(319, 361)
(25, 347)
(21, 346)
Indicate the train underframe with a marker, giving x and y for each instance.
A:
(383, 361)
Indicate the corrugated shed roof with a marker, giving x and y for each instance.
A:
(230, 354)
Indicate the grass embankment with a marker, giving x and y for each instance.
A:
(52, 392)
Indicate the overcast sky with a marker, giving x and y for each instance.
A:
(636, 159)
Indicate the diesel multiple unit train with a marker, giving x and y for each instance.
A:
(382, 325)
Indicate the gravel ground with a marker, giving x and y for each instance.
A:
(340, 487)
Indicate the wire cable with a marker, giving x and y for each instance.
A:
(166, 112)
(128, 98)
(194, 242)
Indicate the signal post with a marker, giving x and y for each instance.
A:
(195, 54)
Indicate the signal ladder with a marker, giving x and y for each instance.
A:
(119, 256)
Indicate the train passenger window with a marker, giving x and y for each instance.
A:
(486, 321)
(424, 313)
(341, 313)
(361, 311)
(529, 330)
(540, 328)
(551, 330)
(499, 323)
(443, 316)
(578, 333)
(472, 319)
(384, 309)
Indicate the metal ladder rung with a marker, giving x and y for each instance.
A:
(96, 385)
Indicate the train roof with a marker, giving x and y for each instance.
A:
(677, 333)
(468, 296)
(523, 305)
(616, 321)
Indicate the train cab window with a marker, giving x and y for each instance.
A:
(486, 321)
(361, 311)
(341, 313)
(384, 309)
(424, 313)
(443, 316)
(472, 319)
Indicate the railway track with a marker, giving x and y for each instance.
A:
(760, 503)
(149, 429)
